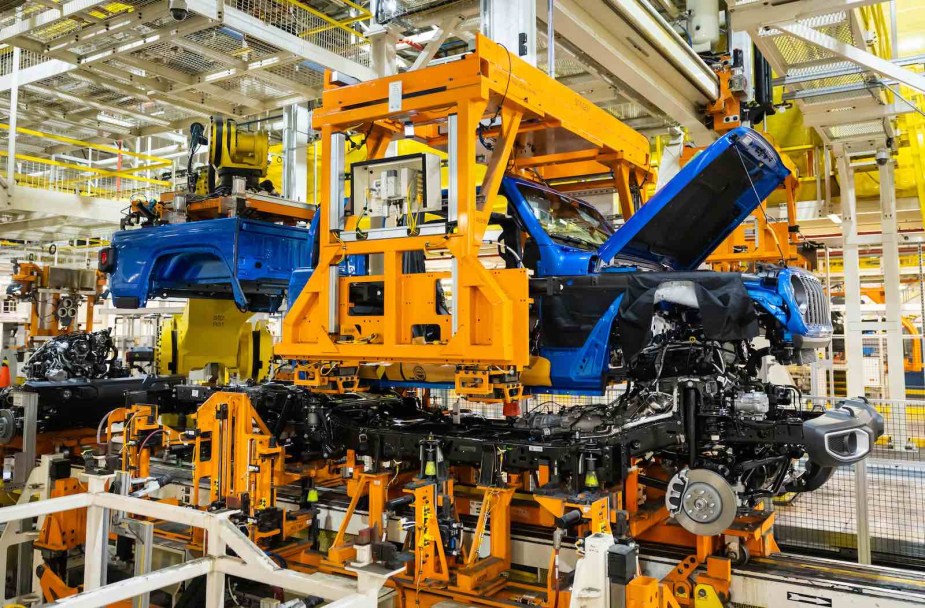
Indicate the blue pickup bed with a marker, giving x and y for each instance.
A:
(249, 261)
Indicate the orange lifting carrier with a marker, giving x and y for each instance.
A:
(486, 336)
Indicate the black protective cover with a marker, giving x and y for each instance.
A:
(726, 309)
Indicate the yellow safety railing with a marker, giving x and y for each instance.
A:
(362, 15)
(52, 174)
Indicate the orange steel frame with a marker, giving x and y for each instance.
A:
(492, 331)
(216, 206)
(239, 456)
(491, 305)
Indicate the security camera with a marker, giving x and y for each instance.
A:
(178, 9)
(882, 156)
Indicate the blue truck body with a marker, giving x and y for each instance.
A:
(249, 261)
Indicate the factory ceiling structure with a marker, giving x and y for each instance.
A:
(115, 85)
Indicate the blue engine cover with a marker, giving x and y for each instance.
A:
(249, 261)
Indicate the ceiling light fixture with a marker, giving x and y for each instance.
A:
(114, 121)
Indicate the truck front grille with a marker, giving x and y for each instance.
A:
(817, 310)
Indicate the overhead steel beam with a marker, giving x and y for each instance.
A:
(33, 200)
(822, 118)
(67, 62)
(143, 83)
(37, 72)
(446, 29)
(188, 101)
(210, 53)
(631, 41)
(864, 59)
(47, 4)
(161, 71)
(46, 18)
(750, 15)
(282, 83)
(49, 92)
(849, 70)
(184, 81)
(166, 132)
(146, 14)
(32, 224)
(112, 84)
(252, 26)
(191, 25)
(847, 88)
(67, 119)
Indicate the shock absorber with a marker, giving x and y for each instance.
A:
(689, 405)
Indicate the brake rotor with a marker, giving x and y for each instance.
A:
(7, 426)
(701, 501)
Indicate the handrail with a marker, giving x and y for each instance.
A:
(249, 561)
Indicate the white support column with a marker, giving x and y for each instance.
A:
(25, 463)
(513, 24)
(383, 40)
(551, 38)
(297, 125)
(144, 556)
(11, 132)
(896, 378)
(854, 347)
(96, 554)
(216, 547)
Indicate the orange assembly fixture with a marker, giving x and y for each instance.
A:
(539, 126)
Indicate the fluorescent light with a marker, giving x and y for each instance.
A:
(114, 121)
(835, 218)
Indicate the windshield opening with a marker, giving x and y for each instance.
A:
(566, 219)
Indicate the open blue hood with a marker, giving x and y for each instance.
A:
(694, 212)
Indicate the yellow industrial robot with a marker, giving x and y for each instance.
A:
(232, 184)
(214, 336)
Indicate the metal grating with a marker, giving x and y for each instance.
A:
(25, 10)
(796, 52)
(626, 110)
(190, 76)
(860, 129)
(294, 18)
(565, 65)
(253, 88)
(858, 95)
(826, 82)
(236, 46)
(176, 57)
(300, 74)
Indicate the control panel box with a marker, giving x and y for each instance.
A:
(388, 190)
